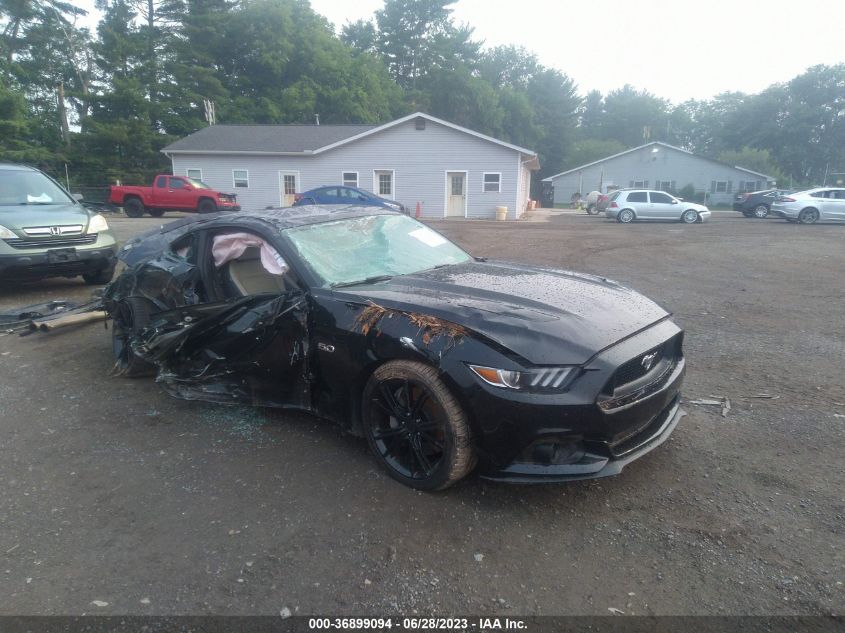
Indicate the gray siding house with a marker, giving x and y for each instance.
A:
(449, 170)
(658, 166)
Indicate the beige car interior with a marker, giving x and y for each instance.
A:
(250, 277)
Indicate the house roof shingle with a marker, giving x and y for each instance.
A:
(306, 139)
(634, 149)
(271, 139)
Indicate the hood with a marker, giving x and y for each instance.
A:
(546, 316)
(16, 217)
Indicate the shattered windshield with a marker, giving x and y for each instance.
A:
(29, 187)
(373, 247)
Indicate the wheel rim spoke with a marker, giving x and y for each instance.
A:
(390, 400)
(383, 434)
(407, 427)
(421, 457)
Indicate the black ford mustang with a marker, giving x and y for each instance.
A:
(441, 360)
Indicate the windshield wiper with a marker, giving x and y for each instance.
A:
(368, 280)
(35, 203)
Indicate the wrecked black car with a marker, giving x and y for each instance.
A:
(442, 361)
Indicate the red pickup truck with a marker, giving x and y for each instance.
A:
(174, 193)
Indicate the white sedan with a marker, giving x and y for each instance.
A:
(808, 207)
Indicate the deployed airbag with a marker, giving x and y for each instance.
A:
(229, 246)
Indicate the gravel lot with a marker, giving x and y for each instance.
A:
(113, 492)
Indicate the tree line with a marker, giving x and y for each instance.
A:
(105, 102)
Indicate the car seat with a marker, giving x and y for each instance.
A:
(249, 277)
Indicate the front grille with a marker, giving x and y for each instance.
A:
(634, 369)
(46, 242)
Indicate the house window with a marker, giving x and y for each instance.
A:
(721, 186)
(350, 179)
(289, 184)
(194, 174)
(240, 177)
(639, 184)
(492, 182)
(384, 183)
(665, 185)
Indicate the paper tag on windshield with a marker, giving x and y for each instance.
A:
(428, 237)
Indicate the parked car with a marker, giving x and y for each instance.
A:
(756, 204)
(340, 194)
(808, 207)
(439, 359)
(46, 232)
(627, 205)
(595, 202)
(171, 193)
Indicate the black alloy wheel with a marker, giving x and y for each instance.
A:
(415, 426)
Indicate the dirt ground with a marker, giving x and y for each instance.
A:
(116, 499)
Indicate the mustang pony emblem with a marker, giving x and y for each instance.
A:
(648, 360)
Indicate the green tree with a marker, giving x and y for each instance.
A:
(416, 37)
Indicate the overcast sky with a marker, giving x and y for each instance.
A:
(676, 49)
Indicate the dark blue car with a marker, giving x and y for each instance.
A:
(339, 194)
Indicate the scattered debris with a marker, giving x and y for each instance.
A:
(367, 581)
(284, 612)
(66, 321)
(145, 601)
(765, 396)
(616, 611)
(479, 558)
(714, 401)
(838, 415)
(429, 326)
(99, 603)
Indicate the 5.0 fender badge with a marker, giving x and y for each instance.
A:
(324, 347)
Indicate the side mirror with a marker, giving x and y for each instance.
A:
(674, 202)
(76, 196)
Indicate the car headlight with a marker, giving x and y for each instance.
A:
(6, 234)
(544, 379)
(98, 223)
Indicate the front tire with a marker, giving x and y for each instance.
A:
(690, 216)
(206, 206)
(593, 209)
(761, 211)
(808, 216)
(625, 216)
(415, 426)
(132, 316)
(133, 207)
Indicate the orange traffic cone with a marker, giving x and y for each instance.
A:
(419, 211)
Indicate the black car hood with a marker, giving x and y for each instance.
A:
(546, 316)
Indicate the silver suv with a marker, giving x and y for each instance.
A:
(627, 205)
